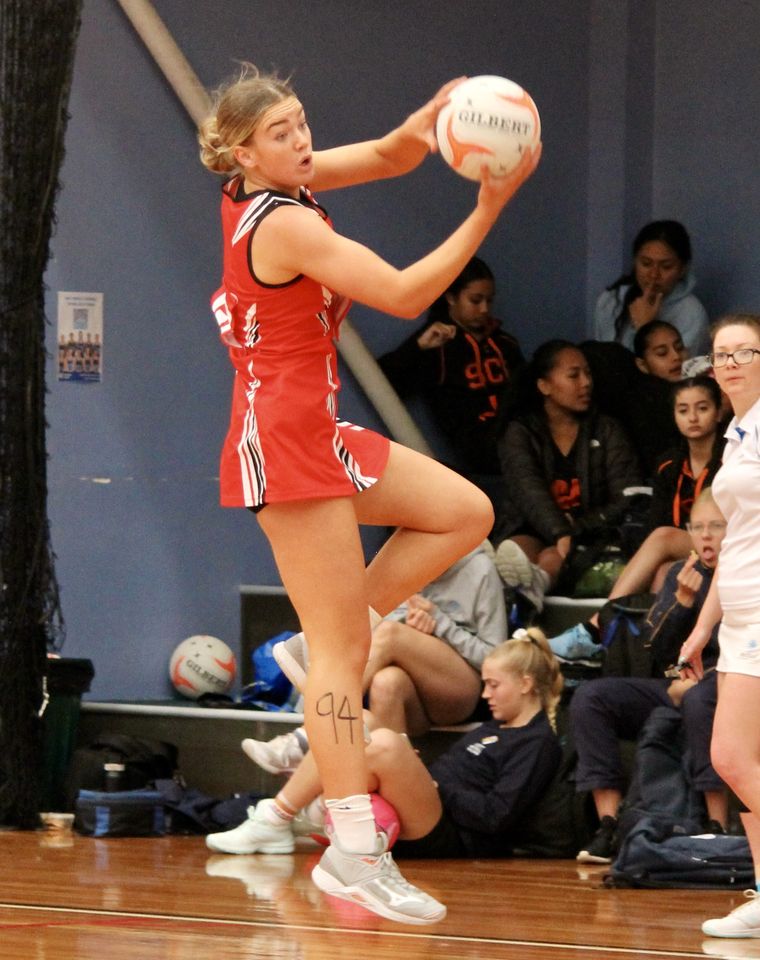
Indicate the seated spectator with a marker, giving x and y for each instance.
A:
(460, 363)
(472, 799)
(425, 658)
(658, 286)
(609, 708)
(659, 350)
(683, 473)
(564, 469)
(424, 661)
(635, 387)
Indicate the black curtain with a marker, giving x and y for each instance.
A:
(37, 44)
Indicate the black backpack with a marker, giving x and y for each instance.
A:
(660, 789)
(144, 761)
(624, 636)
(658, 853)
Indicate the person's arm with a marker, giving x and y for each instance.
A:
(674, 611)
(293, 240)
(488, 628)
(517, 780)
(690, 656)
(693, 323)
(663, 491)
(398, 152)
(413, 366)
(619, 469)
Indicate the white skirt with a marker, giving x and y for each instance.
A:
(739, 641)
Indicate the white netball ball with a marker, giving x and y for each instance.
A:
(487, 120)
(202, 664)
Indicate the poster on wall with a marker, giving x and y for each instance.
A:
(80, 336)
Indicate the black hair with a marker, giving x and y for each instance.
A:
(670, 232)
(476, 269)
(702, 382)
(643, 334)
(527, 397)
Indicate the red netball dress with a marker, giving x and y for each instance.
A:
(284, 441)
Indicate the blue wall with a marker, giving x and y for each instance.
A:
(644, 114)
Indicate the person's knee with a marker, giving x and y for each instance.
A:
(729, 762)
(590, 698)
(472, 514)
(383, 637)
(384, 747)
(391, 685)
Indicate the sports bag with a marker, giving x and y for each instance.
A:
(624, 636)
(143, 761)
(660, 790)
(125, 813)
(664, 854)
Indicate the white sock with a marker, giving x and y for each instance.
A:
(276, 814)
(353, 823)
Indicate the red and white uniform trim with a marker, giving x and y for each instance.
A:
(285, 441)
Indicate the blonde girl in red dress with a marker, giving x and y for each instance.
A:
(312, 479)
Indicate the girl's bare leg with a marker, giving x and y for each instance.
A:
(447, 687)
(394, 701)
(401, 778)
(319, 555)
(440, 517)
(395, 771)
(735, 748)
(662, 545)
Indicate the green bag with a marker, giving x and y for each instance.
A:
(598, 579)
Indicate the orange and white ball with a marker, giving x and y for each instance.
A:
(202, 664)
(488, 120)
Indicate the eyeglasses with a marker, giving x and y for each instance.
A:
(745, 355)
(714, 526)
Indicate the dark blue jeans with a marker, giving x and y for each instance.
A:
(610, 709)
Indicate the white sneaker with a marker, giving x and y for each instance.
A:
(281, 754)
(310, 822)
(373, 881)
(292, 656)
(535, 592)
(742, 922)
(254, 835)
(514, 567)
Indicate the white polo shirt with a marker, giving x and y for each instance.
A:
(736, 489)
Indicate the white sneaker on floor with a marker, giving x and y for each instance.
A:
(292, 656)
(281, 754)
(373, 881)
(254, 835)
(514, 567)
(742, 922)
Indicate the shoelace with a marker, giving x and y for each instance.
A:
(387, 860)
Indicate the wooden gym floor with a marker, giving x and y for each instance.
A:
(66, 897)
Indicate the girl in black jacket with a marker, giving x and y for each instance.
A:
(460, 362)
(565, 468)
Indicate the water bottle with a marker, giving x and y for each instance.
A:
(113, 774)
